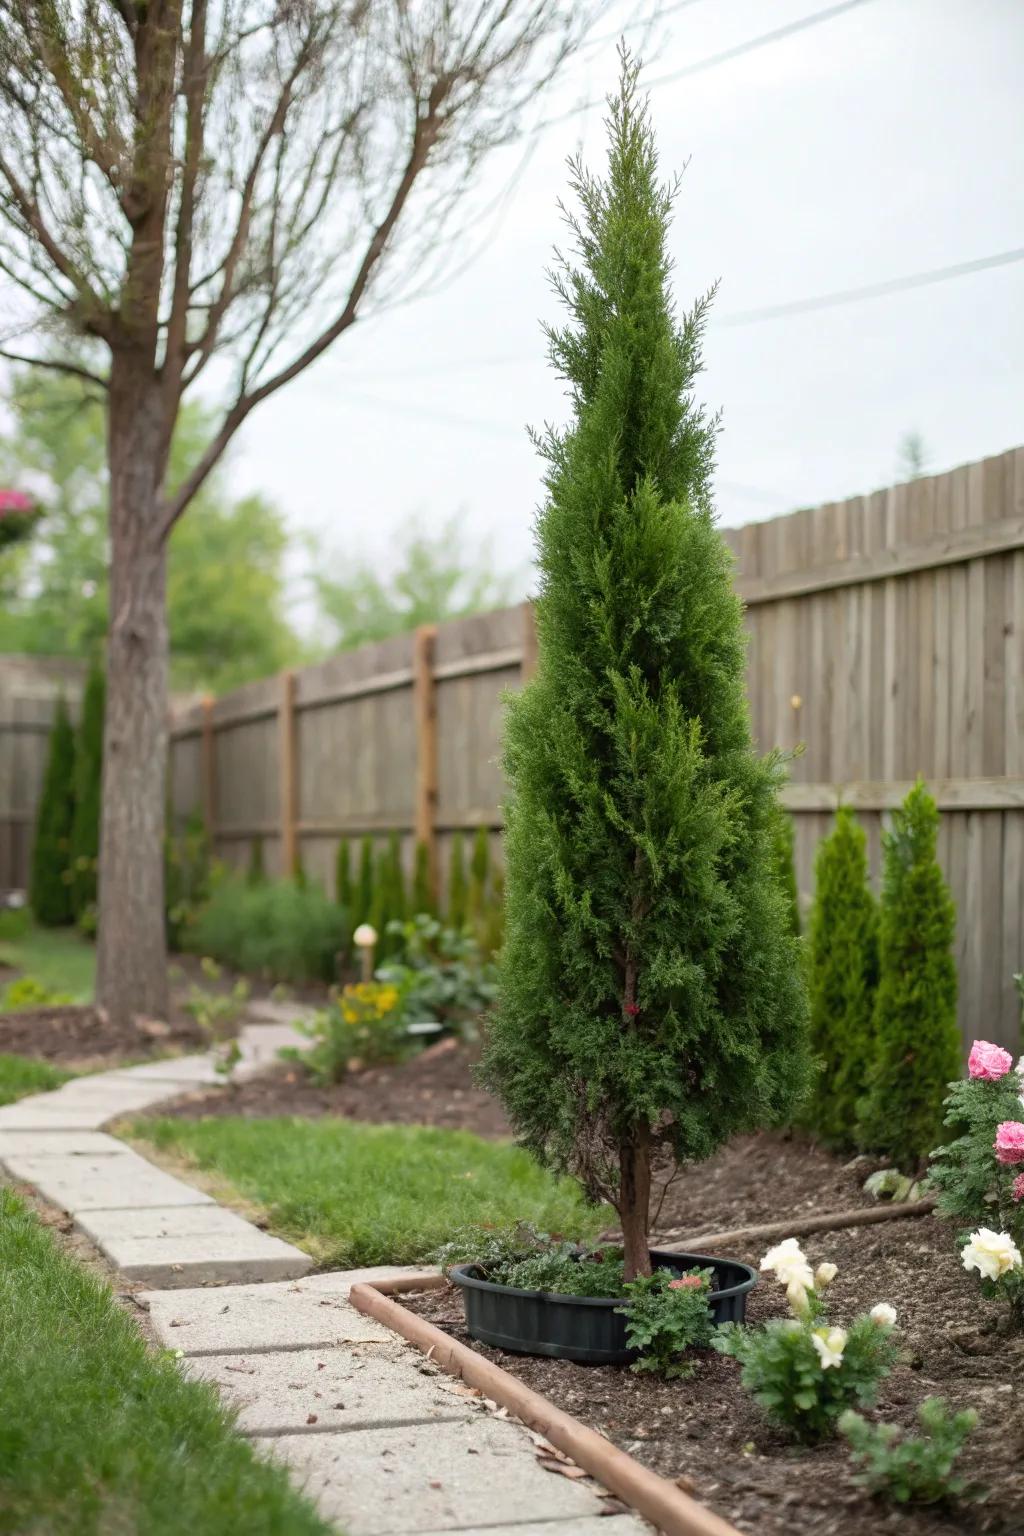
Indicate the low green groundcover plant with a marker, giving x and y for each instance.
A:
(805, 1371)
(26, 992)
(979, 1175)
(354, 1194)
(98, 1435)
(911, 1469)
(282, 930)
(20, 1075)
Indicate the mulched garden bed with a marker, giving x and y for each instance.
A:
(706, 1432)
(84, 1037)
(434, 1088)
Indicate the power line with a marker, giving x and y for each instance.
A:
(815, 19)
(871, 290)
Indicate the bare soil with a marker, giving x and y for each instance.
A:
(84, 1038)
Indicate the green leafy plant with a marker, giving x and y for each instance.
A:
(85, 825)
(256, 872)
(979, 1174)
(188, 877)
(652, 1000)
(281, 931)
(843, 974)
(343, 887)
(804, 1371)
(911, 1469)
(668, 1315)
(389, 902)
(458, 891)
(916, 1052)
(15, 923)
(424, 898)
(218, 1012)
(440, 974)
(27, 992)
(364, 1026)
(51, 875)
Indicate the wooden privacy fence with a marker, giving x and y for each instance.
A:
(885, 637)
(29, 688)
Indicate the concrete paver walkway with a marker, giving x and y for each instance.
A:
(385, 1443)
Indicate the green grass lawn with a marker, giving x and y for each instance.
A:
(354, 1194)
(20, 1075)
(99, 1437)
(58, 957)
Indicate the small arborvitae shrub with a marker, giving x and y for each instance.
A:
(784, 841)
(979, 1174)
(804, 1371)
(256, 872)
(458, 891)
(911, 1469)
(423, 896)
(917, 1039)
(479, 877)
(51, 877)
(651, 1001)
(85, 826)
(843, 975)
(343, 887)
(362, 906)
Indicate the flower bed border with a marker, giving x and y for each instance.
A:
(663, 1503)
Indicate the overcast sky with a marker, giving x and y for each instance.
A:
(885, 141)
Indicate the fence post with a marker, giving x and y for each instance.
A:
(208, 769)
(288, 754)
(529, 663)
(425, 711)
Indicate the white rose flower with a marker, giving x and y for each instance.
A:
(787, 1261)
(830, 1343)
(992, 1254)
(883, 1314)
(824, 1275)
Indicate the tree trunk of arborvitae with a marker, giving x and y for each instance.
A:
(651, 998)
(131, 974)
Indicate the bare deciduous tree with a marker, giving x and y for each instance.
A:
(184, 181)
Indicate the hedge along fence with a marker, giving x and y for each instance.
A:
(886, 636)
(29, 689)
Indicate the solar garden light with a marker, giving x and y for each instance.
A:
(365, 940)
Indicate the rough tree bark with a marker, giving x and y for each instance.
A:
(634, 1202)
(131, 977)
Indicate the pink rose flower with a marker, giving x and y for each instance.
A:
(1009, 1142)
(15, 501)
(989, 1062)
(693, 1282)
(1018, 1187)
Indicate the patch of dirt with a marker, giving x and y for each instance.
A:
(433, 1088)
(85, 1039)
(706, 1431)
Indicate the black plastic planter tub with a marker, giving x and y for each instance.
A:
(589, 1330)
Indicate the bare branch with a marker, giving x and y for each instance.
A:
(59, 365)
(97, 318)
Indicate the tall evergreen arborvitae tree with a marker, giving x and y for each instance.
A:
(843, 974)
(458, 892)
(343, 889)
(364, 892)
(917, 1040)
(479, 878)
(50, 879)
(423, 898)
(85, 826)
(651, 999)
(785, 865)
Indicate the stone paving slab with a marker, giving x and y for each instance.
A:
(163, 1221)
(103, 1183)
(185, 1071)
(59, 1143)
(208, 1259)
(250, 1319)
(122, 1094)
(38, 1113)
(587, 1525)
(315, 1390)
(432, 1477)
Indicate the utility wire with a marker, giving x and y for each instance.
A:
(815, 19)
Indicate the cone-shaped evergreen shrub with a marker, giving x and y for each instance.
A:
(785, 866)
(50, 879)
(363, 906)
(479, 876)
(917, 1041)
(651, 999)
(423, 899)
(388, 895)
(343, 875)
(843, 975)
(458, 893)
(85, 827)
(256, 873)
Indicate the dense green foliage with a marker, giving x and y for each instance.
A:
(226, 584)
(21, 1075)
(479, 877)
(650, 988)
(785, 864)
(256, 872)
(389, 901)
(784, 1373)
(58, 959)
(458, 890)
(279, 930)
(441, 974)
(343, 887)
(357, 1194)
(843, 974)
(423, 894)
(362, 908)
(187, 876)
(665, 1319)
(98, 1435)
(911, 1469)
(916, 1036)
(85, 826)
(50, 878)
